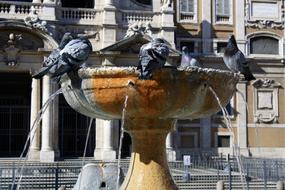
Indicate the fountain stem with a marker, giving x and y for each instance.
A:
(149, 167)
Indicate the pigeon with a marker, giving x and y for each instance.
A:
(187, 60)
(152, 57)
(235, 60)
(71, 53)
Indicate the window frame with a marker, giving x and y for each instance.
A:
(215, 15)
(180, 13)
(265, 34)
(217, 134)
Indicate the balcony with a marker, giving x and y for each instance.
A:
(85, 16)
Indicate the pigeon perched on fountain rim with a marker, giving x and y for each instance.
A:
(152, 57)
(187, 60)
(71, 53)
(235, 60)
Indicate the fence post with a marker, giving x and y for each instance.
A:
(280, 185)
(220, 185)
(247, 176)
(14, 176)
(56, 176)
(230, 173)
(264, 175)
(277, 170)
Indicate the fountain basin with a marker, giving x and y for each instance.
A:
(151, 109)
(100, 92)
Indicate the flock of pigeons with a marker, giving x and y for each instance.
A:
(73, 51)
(233, 58)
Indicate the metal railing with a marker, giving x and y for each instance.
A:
(203, 173)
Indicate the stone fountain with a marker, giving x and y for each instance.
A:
(151, 110)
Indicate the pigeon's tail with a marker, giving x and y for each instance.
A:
(43, 71)
(248, 76)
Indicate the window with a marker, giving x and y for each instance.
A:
(187, 6)
(224, 141)
(223, 7)
(187, 10)
(223, 10)
(264, 45)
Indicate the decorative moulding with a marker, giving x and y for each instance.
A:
(11, 52)
(266, 100)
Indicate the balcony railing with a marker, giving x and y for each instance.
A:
(17, 10)
(186, 16)
(78, 15)
(134, 16)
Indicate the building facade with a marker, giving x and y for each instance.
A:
(30, 30)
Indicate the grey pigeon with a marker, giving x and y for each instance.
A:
(70, 54)
(152, 57)
(235, 60)
(187, 60)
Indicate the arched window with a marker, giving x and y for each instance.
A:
(78, 3)
(264, 45)
(145, 2)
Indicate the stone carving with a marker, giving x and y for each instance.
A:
(266, 100)
(34, 21)
(139, 28)
(261, 23)
(264, 24)
(266, 83)
(11, 52)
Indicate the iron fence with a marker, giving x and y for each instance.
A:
(203, 173)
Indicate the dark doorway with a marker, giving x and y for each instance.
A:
(78, 3)
(73, 128)
(15, 98)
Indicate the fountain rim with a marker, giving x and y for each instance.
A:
(116, 72)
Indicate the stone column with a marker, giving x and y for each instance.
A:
(108, 3)
(109, 24)
(49, 13)
(104, 140)
(167, 24)
(55, 109)
(242, 115)
(170, 147)
(206, 26)
(205, 128)
(34, 153)
(47, 151)
(240, 25)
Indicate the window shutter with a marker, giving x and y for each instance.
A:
(183, 5)
(227, 7)
(219, 7)
(191, 6)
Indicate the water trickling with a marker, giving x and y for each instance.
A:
(30, 138)
(85, 147)
(236, 150)
(121, 141)
(86, 142)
